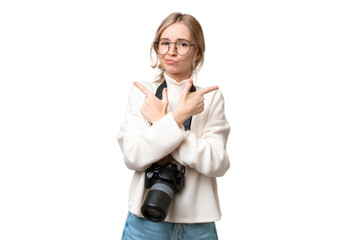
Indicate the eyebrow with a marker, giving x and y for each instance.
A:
(179, 39)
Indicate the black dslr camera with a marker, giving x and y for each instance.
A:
(164, 181)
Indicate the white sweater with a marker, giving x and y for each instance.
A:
(202, 150)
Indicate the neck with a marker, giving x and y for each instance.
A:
(179, 77)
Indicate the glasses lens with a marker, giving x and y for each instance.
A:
(183, 47)
(162, 47)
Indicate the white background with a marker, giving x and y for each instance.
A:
(289, 71)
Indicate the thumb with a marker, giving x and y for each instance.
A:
(187, 87)
(164, 95)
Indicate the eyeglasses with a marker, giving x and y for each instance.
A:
(182, 47)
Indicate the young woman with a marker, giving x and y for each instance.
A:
(156, 131)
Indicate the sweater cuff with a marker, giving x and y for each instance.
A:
(170, 129)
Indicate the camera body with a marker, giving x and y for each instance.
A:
(168, 173)
(163, 182)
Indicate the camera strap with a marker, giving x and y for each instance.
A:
(187, 123)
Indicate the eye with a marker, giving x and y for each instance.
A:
(164, 43)
(183, 44)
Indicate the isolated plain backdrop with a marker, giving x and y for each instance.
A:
(289, 71)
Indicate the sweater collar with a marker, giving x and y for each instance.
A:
(172, 81)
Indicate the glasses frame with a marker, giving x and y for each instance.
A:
(157, 42)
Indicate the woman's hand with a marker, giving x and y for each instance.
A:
(190, 103)
(153, 109)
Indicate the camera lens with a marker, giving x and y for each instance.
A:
(157, 202)
(152, 213)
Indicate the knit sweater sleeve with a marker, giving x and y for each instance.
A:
(142, 144)
(207, 153)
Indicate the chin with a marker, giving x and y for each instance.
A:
(172, 70)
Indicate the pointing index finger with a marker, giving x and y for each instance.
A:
(208, 89)
(143, 89)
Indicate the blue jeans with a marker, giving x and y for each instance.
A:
(142, 229)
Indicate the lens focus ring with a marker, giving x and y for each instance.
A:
(164, 188)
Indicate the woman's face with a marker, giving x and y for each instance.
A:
(176, 66)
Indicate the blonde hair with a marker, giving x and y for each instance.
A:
(196, 34)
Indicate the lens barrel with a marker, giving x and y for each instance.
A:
(158, 201)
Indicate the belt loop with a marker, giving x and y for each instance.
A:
(177, 232)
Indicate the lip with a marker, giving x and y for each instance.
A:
(170, 62)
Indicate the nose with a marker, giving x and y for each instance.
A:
(172, 49)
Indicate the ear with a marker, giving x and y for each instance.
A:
(198, 56)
